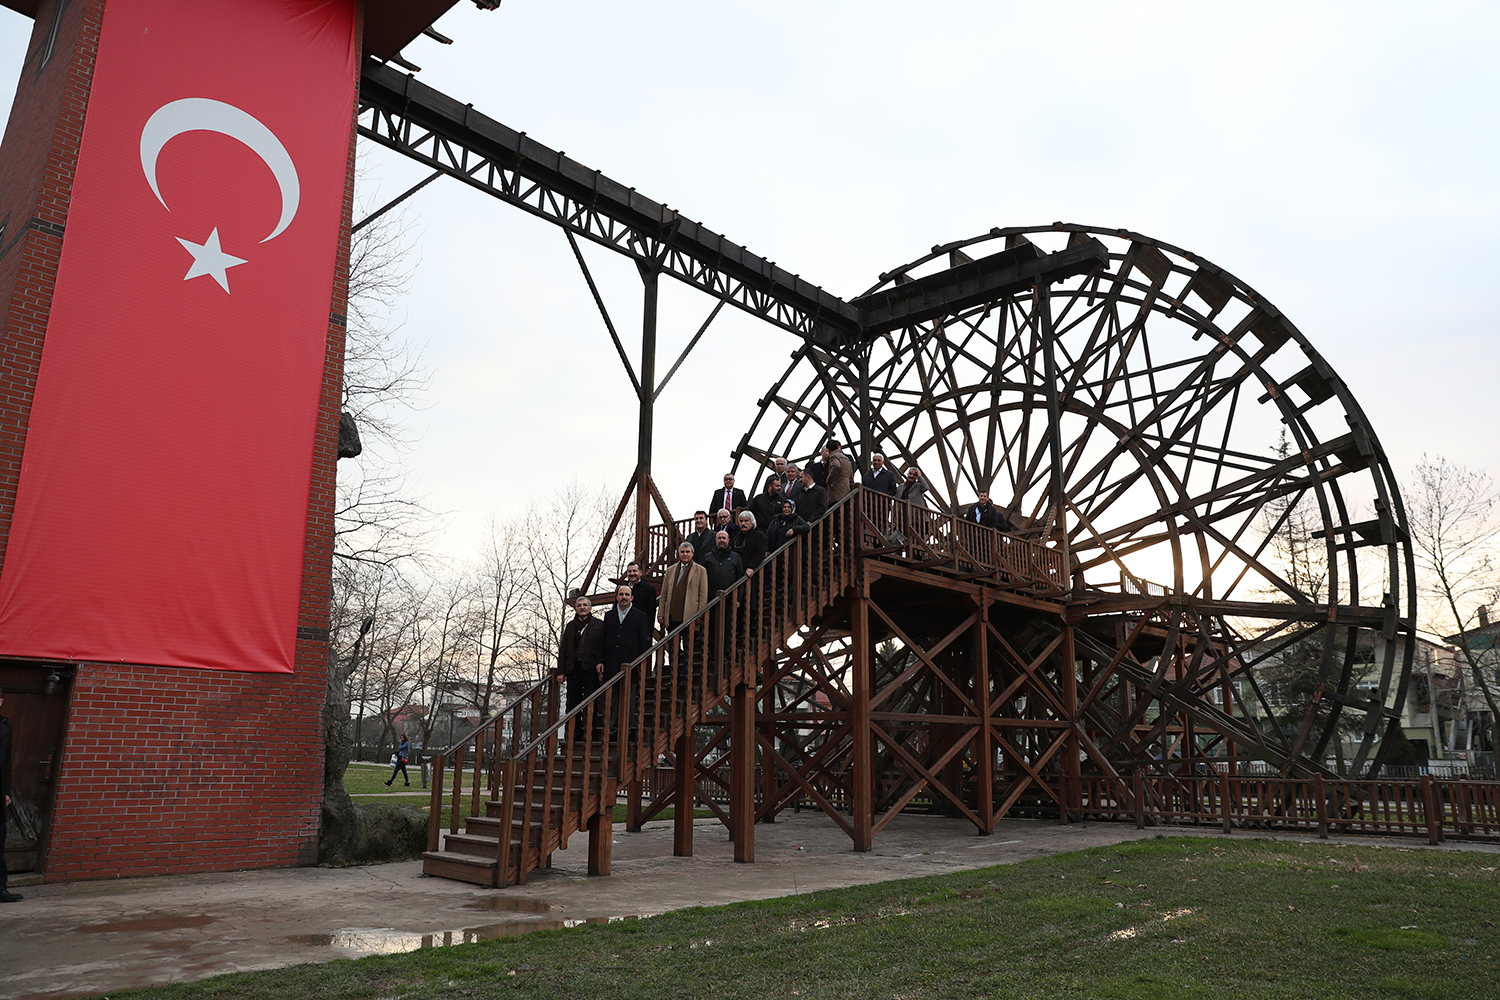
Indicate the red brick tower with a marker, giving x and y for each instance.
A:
(134, 768)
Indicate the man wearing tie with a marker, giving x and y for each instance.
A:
(728, 498)
(627, 634)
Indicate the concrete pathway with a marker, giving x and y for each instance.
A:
(86, 938)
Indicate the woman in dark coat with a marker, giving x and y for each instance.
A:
(750, 543)
(785, 526)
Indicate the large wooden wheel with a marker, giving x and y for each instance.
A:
(1213, 468)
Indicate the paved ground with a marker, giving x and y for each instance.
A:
(87, 938)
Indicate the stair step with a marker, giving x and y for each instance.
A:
(461, 867)
(470, 845)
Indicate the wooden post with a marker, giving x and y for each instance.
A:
(742, 772)
(984, 745)
(651, 280)
(633, 803)
(1430, 810)
(1138, 788)
(1224, 801)
(1072, 773)
(601, 829)
(435, 802)
(682, 795)
(862, 794)
(1320, 804)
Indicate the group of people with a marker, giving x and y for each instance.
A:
(730, 539)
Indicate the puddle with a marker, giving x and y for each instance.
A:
(147, 924)
(387, 941)
(506, 904)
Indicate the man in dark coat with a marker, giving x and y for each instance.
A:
(986, 513)
(643, 593)
(6, 896)
(880, 476)
(724, 565)
(813, 502)
(580, 652)
(785, 473)
(627, 634)
(767, 503)
(729, 498)
(702, 536)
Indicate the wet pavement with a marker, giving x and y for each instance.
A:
(86, 938)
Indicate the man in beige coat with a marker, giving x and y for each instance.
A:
(684, 591)
(840, 471)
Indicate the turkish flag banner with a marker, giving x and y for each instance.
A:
(162, 505)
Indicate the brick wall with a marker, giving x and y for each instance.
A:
(163, 769)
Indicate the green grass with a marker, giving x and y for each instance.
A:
(1158, 919)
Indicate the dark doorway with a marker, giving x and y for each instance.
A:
(36, 702)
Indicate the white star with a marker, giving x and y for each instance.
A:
(209, 259)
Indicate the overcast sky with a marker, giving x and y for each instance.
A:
(1339, 158)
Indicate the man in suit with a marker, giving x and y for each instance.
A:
(684, 591)
(729, 498)
(6, 896)
(702, 536)
(785, 473)
(880, 477)
(644, 593)
(812, 502)
(579, 652)
(627, 634)
(914, 490)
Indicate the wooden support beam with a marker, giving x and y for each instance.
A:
(682, 794)
(984, 743)
(601, 830)
(862, 765)
(742, 773)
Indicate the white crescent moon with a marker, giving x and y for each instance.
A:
(203, 115)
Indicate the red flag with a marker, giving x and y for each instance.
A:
(163, 498)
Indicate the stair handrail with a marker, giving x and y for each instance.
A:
(723, 598)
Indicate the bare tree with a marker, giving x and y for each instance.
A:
(1452, 512)
(376, 519)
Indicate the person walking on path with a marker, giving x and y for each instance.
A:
(6, 896)
(398, 761)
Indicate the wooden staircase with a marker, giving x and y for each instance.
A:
(544, 775)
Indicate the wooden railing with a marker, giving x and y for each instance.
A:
(566, 768)
(1430, 807)
(905, 532)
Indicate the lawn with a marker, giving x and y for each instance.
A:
(1160, 919)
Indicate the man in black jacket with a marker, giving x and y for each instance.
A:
(986, 513)
(767, 503)
(580, 652)
(724, 565)
(6, 896)
(643, 594)
(702, 535)
(627, 634)
(880, 478)
(813, 501)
